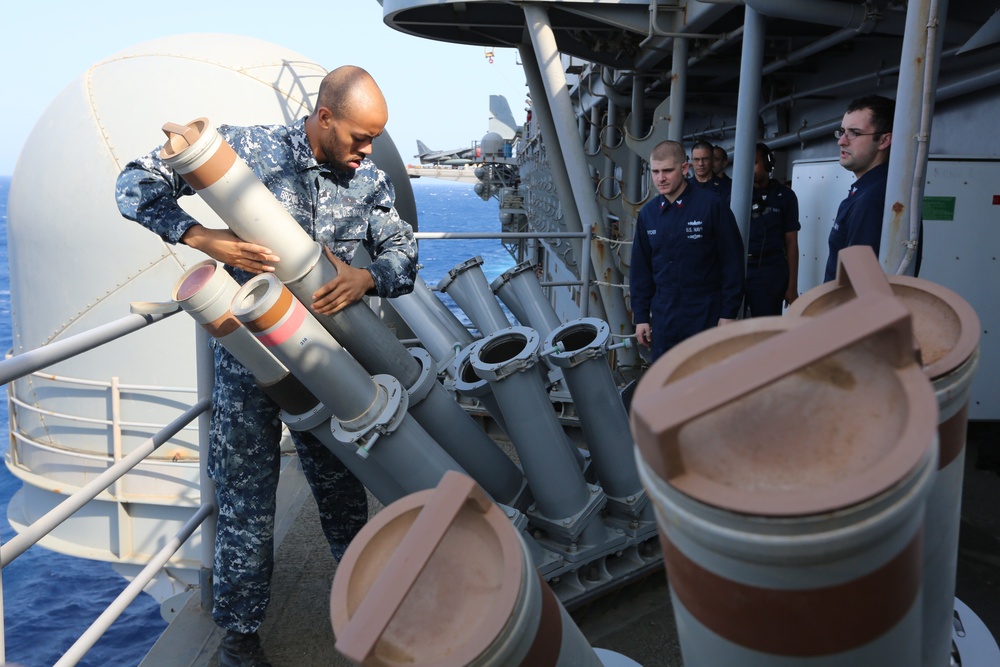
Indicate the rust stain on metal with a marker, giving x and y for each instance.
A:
(896, 221)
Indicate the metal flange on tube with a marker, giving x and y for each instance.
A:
(206, 292)
(566, 507)
(199, 154)
(369, 413)
(580, 348)
(521, 292)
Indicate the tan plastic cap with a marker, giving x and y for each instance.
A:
(945, 325)
(789, 416)
(431, 580)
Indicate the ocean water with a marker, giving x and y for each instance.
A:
(50, 599)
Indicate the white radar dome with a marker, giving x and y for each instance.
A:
(492, 144)
(76, 263)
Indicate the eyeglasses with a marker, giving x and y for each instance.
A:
(853, 134)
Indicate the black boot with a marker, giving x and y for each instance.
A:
(241, 650)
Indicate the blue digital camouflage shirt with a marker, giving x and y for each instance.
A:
(337, 209)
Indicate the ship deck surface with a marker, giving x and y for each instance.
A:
(635, 621)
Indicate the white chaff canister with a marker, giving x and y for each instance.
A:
(789, 461)
(441, 578)
(947, 331)
(209, 164)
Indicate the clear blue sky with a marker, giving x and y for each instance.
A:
(437, 92)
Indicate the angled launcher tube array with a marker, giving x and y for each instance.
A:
(200, 155)
(946, 331)
(206, 292)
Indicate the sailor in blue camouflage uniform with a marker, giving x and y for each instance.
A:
(687, 258)
(316, 168)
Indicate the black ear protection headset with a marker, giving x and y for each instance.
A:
(767, 155)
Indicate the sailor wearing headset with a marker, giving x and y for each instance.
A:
(773, 246)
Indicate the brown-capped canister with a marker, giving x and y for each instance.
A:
(441, 578)
(789, 460)
(946, 329)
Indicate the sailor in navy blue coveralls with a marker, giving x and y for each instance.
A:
(773, 247)
(859, 218)
(864, 139)
(687, 262)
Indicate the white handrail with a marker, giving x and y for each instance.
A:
(65, 509)
(131, 592)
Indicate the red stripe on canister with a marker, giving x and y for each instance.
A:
(280, 334)
(547, 644)
(951, 436)
(800, 623)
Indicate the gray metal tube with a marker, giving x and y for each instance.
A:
(506, 359)
(467, 383)
(581, 187)
(751, 61)
(467, 285)
(520, 286)
(602, 413)
(678, 90)
(440, 332)
(365, 410)
(918, 74)
(206, 292)
(283, 324)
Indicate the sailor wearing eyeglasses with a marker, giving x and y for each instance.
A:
(864, 140)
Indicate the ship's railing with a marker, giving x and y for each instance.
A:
(584, 260)
(32, 361)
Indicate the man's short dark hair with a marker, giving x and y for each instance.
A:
(882, 108)
(702, 144)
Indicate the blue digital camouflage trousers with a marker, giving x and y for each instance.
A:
(243, 461)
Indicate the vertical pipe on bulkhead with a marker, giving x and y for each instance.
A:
(678, 90)
(747, 119)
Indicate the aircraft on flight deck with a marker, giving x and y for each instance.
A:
(455, 157)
